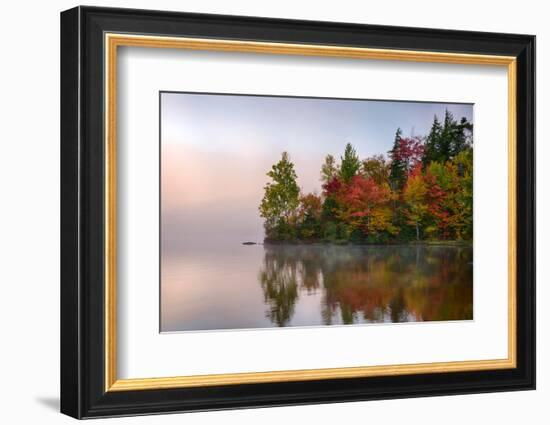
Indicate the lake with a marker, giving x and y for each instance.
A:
(233, 286)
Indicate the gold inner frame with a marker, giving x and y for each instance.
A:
(113, 41)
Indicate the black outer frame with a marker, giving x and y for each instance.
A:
(82, 219)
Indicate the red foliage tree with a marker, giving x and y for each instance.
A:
(365, 205)
(410, 151)
(436, 200)
(332, 187)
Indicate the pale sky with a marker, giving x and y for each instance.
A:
(217, 149)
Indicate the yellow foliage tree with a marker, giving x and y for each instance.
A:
(414, 195)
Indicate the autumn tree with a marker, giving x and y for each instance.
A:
(465, 195)
(450, 198)
(309, 216)
(333, 228)
(410, 152)
(414, 195)
(281, 197)
(377, 168)
(364, 206)
(440, 183)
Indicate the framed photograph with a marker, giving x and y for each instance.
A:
(261, 212)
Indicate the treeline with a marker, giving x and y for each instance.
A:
(422, 190)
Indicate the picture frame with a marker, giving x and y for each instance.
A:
(90, 40)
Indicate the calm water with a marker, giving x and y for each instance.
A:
(236, 286)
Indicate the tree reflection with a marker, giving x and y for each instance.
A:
(362, 284)
(279, 284)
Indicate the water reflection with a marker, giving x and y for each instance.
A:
(369, 284)
(237, 287)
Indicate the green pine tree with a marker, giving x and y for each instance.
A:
(350, 163)
(461, 137)
(398, 167)
(447, 137)
(431, 147)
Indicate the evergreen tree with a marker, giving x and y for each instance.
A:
(398, 167)
(350, 164)
(431, 151)
(447, 138)
(461, 137)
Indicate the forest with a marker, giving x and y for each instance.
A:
(421, 190)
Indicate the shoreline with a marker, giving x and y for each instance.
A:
(395, 243)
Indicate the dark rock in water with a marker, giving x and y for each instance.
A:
(249, 243)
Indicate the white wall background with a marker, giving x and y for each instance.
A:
(29, 225)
